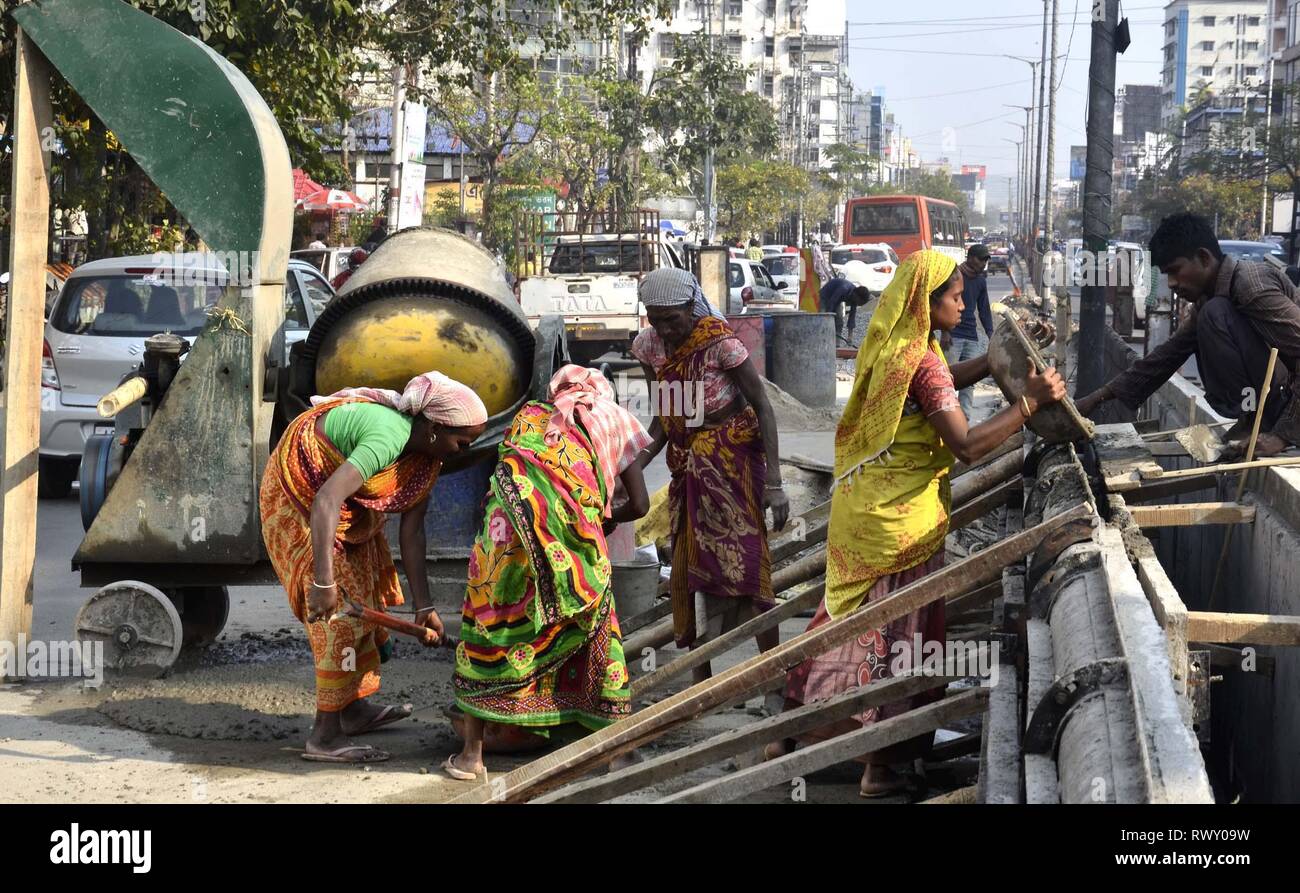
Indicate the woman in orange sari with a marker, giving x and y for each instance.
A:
(900, 432)
(339, 468)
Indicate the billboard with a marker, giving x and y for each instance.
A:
(979, 170)
(1078, 162)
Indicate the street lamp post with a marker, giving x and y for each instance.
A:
(1016, 207)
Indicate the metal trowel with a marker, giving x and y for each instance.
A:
(1201, 442)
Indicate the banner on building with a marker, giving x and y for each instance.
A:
(1078, 162)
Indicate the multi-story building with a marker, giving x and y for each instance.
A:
(804, 75)
(971, 182)
(1288, 57)
(1137, 111)
(1217, 46)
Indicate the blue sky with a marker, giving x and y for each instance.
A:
(939, 66)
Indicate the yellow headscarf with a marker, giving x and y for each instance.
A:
(897, 339)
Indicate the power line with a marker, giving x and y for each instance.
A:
(947, 20)
(886, 49)
(893, 99)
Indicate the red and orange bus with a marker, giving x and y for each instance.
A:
(906, 223)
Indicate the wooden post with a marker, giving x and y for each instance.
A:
(28, 254)
(1241, 482)
(750, 675)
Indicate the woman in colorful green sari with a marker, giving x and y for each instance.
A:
(900, 432)
(540, 643)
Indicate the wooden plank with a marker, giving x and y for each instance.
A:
(753, 674)
(978, 598)
(1014, 442)
(1170, 614)
(661, 609)
(806, 599)
(981, 505)
(790, 724)
(957, 747)
(805, 535)
(1167, 448)
(1167, 489)
(980, 480)
(1121, 483)
(1185, 514)
(961, 795)
(839, 749)
(28, 253)
(1223, 628)
(1120, 451)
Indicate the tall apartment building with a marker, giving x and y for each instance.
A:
(1215, 45)
(1288, 56)
(1137, 111)
(804, 75)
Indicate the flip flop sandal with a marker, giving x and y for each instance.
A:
(352, 753)
(389, 715)
(449, 766)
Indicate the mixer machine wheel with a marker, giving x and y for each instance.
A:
(203, 610)
(138, 625)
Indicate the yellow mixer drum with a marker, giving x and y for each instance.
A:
(399, 337)
(426, 299)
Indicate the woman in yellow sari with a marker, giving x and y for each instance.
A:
(900, 432)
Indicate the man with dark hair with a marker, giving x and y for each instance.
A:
(967, 343)
(849, 291)
(1239, 310)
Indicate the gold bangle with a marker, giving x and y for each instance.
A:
(1024, 406)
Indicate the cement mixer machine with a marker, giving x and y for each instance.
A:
(170, 500)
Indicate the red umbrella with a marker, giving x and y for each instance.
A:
(303, 185)
(332, 200)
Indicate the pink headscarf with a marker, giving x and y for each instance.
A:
(435, 396)
(584, 396)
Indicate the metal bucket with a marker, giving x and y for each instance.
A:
(802, 356)
(636, 585)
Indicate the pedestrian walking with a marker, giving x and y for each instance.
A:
(970, 339)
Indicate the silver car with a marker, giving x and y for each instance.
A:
(96, 331)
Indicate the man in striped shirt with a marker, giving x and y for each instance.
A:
(1239, 310)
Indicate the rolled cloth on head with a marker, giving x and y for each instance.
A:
(435, 396)
(671, 287)
(585, 398)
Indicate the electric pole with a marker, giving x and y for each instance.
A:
(710, 213)
(1097, 218)
(1038, 143)
(1048, 228)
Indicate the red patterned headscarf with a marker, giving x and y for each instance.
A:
(584, 396)
(435, 396)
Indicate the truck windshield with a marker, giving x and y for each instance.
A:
(602, 257)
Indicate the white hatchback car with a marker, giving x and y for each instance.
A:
(96, 331)
(751, 288)
(879, 258)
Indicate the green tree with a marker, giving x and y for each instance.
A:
(754, 193)
(699, 103)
